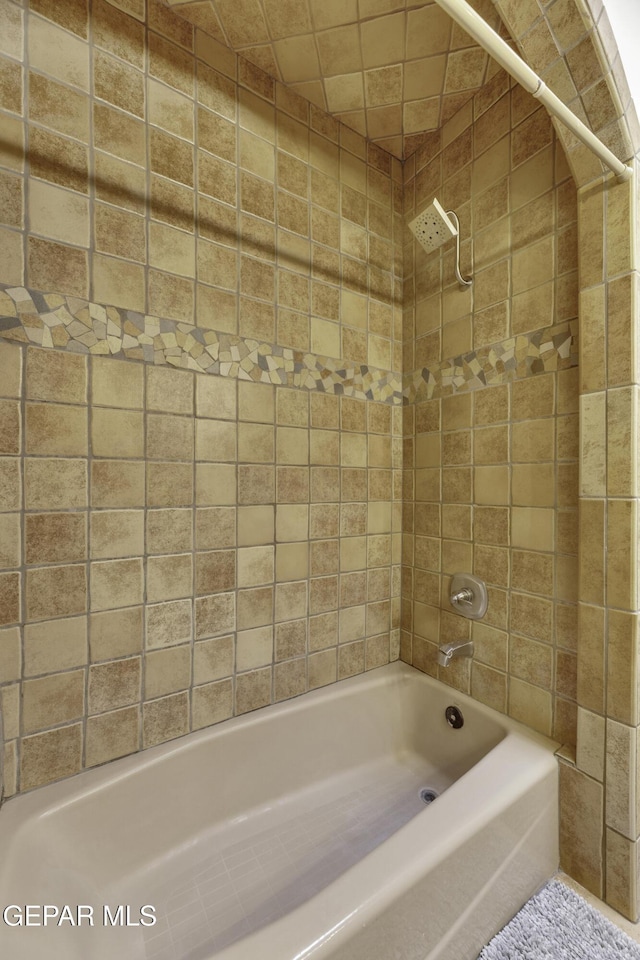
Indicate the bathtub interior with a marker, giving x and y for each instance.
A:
(227, 831)
(252, 871)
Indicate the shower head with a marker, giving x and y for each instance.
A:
(433, 227)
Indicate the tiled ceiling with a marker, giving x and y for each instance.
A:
(391, 69)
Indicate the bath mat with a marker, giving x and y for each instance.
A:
(557, 924)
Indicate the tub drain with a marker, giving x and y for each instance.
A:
(427, 795)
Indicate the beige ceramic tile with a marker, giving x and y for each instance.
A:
(117, 384)
(592, 551)
(212, 702)
(117, 533)
(169, 577)
(116, 633)
(533, 485)
(55, 538)
(52, 700)
(167, 671)
(117, 433)
(491, 485)
(53, 591)
(215, 398)
(113, 483)
(619, 775)
(112, 735)
(10, 654)
(581, 810)
(50, 756)
(530, 705)
(622, 587)
(116, 583)
(10, 540)
(253, 690)
(56, 430)
(170, 623)
(165, 719)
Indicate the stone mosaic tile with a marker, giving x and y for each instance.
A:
(525, 355)
(79, 326)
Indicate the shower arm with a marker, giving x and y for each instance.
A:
(461, 280)
(499, 49)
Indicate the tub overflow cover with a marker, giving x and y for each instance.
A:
(454, 717)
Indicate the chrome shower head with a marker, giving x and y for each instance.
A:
(432, 227)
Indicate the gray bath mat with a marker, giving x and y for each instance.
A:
(557, 924)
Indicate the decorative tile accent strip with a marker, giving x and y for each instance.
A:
(542, 351)
(80, 326)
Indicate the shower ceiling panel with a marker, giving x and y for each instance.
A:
(391, 69)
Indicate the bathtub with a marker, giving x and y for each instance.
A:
(298, 831)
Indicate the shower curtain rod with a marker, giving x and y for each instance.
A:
(497, 48)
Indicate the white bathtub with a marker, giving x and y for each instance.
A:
(293, 832)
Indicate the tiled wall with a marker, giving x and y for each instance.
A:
(200, 429)
(194, 547)
(491, 434)
(599, 796)
(571, 45)
(169, 177)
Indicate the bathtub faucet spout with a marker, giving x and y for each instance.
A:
(448, 651)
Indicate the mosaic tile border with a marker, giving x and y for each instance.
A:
(80, 326)
(525, 355)
(60, 322)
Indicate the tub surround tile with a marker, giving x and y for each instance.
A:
(252, 690)
(167, 671)
(50, 756)
(169, 623)
(112, 735)
(620, 779)
(165, 719)
(51, 429)
(10, 705)
(212, 702)
(113, 685)
(581, 831)
(10, 654)
(53, 645)
(61, 378)
(55, 538)
(117, 483)
(54, 591)
(10, 370)
(53, 700)
(620, 873)
(116, 633)
(213, 659)
(120, 386)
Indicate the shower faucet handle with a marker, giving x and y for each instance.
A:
(468, 596)
(462, 596)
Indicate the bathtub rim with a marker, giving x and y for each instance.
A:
(48, 798)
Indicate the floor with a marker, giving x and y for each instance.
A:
(631, 929)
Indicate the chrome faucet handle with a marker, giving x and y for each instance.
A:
(468, 596)
(462, 596)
